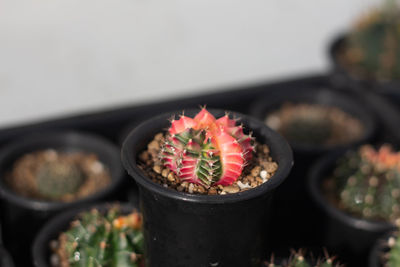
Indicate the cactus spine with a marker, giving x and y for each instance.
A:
(205, 150)
(369, 183)
(298, 259)
(103, 240)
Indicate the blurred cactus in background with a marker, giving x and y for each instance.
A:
(373, 46)
(58, 178)
(369, 183)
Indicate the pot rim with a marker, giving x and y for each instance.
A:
(320, 96)
(278, 145)
(316, 176)
(44, 235)
(72, 139)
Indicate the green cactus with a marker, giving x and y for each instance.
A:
(368, 182)
(312, 130)
(55, 179)
(98, 240)
(298, 259)
(392, 258)
(372, 48)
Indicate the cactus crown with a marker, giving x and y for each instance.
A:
(205, 150)
(55, 179)
(369, 183)
(372, 48)
(103, 240)
(298, 259)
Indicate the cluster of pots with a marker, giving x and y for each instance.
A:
(183, 229)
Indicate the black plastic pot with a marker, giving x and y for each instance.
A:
(347, 235)
(5, 258)
(27, 215)
(184, 229)
(292, 202)
(41, 252)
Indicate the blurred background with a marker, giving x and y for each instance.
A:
(63, 57)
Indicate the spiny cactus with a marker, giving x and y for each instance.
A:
(372, 48)
(205, 150)
(298, 259)
(369, 183)
(392, 257)
(58, 178)
(97, 240)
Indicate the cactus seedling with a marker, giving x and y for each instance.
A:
(55, 179)
(97, 240)
(372, 48)
(205, 150)
(369, 183)
(298, 259)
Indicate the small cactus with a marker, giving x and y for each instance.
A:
(372, 49)
(369, 183)
(312, 130)
(299, 259)
(205, 150)
(58, 178)
(110, 240)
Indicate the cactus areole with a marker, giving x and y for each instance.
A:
(205, 150)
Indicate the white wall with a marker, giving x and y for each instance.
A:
(62, 57)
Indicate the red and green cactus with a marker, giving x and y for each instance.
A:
(369, 183)
(372, 48)
(205, 150)
(97, 240)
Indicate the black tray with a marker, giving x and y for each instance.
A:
(115, 123)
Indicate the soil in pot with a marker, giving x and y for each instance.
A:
(52, 175)
(371, 51)
(315, 125)
(104, 237)
(204, 223)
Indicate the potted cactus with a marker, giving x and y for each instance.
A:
(201, 205)
(102, 235)
(386, 251)
(358, 192)
(55, 171)
(368, 54)
(315, 121)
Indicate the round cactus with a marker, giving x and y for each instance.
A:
(372, 48)
(55, 179)
(102, 240)
(369, 183)
(308, 130)
(205, 150)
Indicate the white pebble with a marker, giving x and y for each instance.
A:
(264, 175)
(242, 185)
(97, 167)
